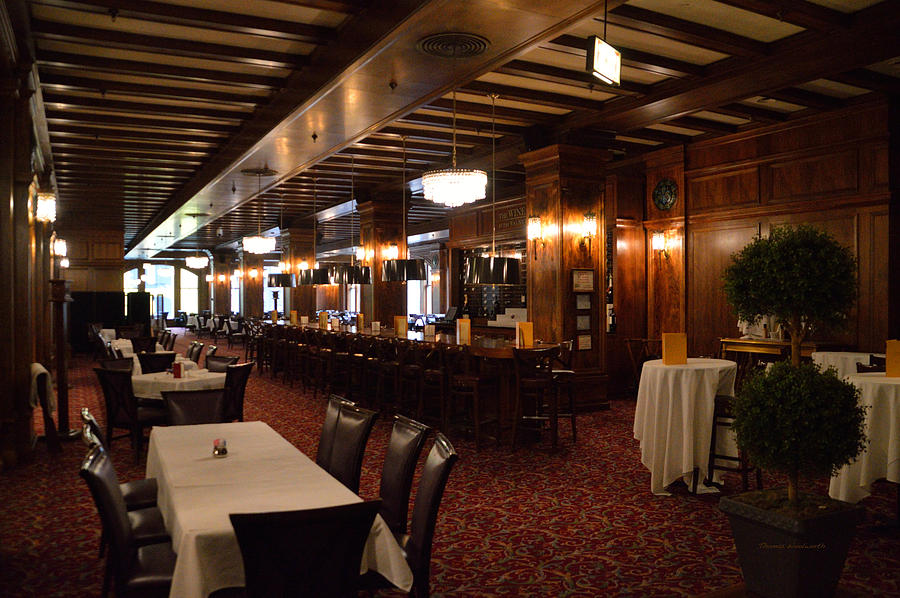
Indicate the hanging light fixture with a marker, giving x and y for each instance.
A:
(492, 269)
(604, 61)
(401, 270)
(284, 278)
(259, 244)
(353, 273)
(315, 275)
(196, 262)
(454, 186)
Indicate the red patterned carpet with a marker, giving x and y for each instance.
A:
(579, 521)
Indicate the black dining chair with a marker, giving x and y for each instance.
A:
(236, 377)
(308, 553)
(403, 449)
(123, 410)
(155, 362)
(140, 563)
(189, 407)
(354, 425)
(220, 363)
(417, 545)
(329, 426)
(124, 364)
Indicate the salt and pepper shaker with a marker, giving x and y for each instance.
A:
(220, 448)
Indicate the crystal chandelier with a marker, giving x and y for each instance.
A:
(259, 244)
(196, 262)
(454, 187)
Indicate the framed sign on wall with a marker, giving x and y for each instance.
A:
(582, 280)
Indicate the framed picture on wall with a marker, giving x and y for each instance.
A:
(582, 301)
(583, 342)
(583, 322)
(582, 280)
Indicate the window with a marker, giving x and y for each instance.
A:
(189, 288)
(235, 294)
(414, 303)
(353, 299)
(130, 282)
(161, 282)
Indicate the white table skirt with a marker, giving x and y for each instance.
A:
(843, 361)
(193, 321)
(881, 459)
(186, 363)
(150, 386)
(673, 417)
(262, 472)
(108, 334)
(124, 345)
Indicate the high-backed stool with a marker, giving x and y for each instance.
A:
(722, 418)
(474, 389)
(434, 387)
(534, 388)
(564, 382)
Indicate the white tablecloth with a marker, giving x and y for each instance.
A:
(149, 386)
(673, 417)
(882, 457)
(186, 363)
(193, 321)
(843, 361)
(124, 345)
(108, 334)
(262, 472)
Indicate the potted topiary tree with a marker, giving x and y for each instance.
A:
(795, 419)
(801, 276)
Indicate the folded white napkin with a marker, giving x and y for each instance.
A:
(36, 370)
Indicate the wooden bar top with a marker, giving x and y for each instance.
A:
(771, 346)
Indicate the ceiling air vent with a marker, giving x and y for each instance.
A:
(453, 45)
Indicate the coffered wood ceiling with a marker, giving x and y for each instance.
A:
(151, 109)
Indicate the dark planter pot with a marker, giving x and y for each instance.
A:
(791, 555)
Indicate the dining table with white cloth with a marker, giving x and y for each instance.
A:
(881, 458)
(262, 472)
(186, 363)
(193, 321)
(124, 345)
(673, 418)
(842, 361)
(151, 386)
(108, 334)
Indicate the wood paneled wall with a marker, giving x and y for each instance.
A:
(299, 242)
(95, 259)
(252, 288)
(829, 171)
(381, 224)
(222, 289)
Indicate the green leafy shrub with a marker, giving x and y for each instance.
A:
(796, 419)
(801, 276)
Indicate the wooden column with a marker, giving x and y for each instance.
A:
(221, 303)
(894, 219)
(60, 299)
(562, 184)
(299, 247)
(381, 223)
(252, 288)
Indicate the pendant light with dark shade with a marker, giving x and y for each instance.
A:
(401, 270)
(354, 273)
(284, 278)
(492, 270)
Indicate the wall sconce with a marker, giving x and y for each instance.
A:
(303, 265)
(284, 266)
(588, 229)
(211, 278)
(253, 273)
(360, 253)
(535, 232)
(659, 241)
(221, 278)
(60, 248)
(46, 207)
(238, 273)
(392, 252)
(64, 263)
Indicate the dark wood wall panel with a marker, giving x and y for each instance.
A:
(730, 189)
(665, 285)
(808, 177)
(874, 273)
(710, 248)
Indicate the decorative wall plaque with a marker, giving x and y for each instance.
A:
(665, 194)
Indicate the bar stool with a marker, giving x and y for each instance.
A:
(409, 394)
(473, 388)
(534, 386)
(434, 385)
(722, 417)
(564, 381)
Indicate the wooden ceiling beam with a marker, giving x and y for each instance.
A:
(59, 99)
(686, 32)
(462, 124)
(189, 16)
(67, 160)
(554, 74)
(806, 98)
(542, 98)
(484, 110)
(50, 81)
(639, 60)
(751, 112)
(869, 80)
(163, 45)
(63, 139)
(344, 6)
(104, 64)
(703, 124)
(437, 137)
(108, 133)
(73, 117)
(158, 153)
(797, 12)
